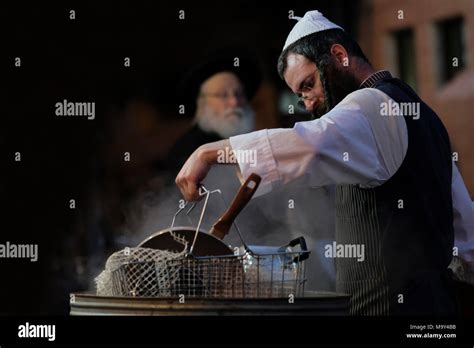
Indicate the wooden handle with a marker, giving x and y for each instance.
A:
(246, 192)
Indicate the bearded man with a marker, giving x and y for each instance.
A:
(398, 193)
(218, 93)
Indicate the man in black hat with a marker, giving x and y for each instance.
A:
(217, 93)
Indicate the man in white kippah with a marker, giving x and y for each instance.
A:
(400, 200)
(312, 22)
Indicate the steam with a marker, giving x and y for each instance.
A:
(267, 220)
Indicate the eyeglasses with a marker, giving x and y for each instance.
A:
(240, 95)
(306, 87)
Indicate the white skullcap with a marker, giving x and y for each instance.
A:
(312, 22)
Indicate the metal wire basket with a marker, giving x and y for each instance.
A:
(252, 272)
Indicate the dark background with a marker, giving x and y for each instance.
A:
(64, 158)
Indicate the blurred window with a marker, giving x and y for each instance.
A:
(452, 53)
(405, 56)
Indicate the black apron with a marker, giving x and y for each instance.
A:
(408, 249)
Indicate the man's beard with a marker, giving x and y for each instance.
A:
(337, 84)
(232, 121)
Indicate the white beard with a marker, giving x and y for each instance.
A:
(231, 122)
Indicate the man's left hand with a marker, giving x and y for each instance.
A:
(196, 168)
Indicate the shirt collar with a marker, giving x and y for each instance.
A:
(370, 81)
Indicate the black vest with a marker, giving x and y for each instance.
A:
(406, 224)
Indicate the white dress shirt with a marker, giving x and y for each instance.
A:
(351, 144)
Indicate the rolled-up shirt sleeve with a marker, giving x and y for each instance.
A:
(338, 148)
(264, 164)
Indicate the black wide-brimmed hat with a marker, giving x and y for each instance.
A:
(240, 61)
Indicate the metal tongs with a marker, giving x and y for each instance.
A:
(222, 226)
